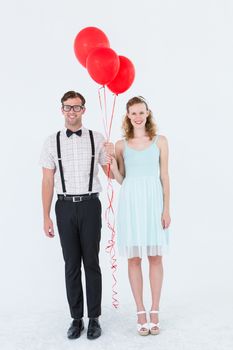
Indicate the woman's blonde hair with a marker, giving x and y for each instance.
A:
(127, 126)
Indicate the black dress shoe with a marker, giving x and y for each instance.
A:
(76, 328)
(94, 329)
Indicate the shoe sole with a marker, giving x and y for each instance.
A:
(93, 338)
(143, 333)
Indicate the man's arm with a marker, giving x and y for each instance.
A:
(47, 196)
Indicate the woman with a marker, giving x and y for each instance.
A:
(140, 165)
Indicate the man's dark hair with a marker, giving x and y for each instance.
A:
(72, 94)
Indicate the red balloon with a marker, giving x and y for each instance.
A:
(124, 78)
(88, 39)
(102, 65)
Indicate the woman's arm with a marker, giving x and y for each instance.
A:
(164, 177)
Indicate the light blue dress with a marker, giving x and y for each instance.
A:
(140, 205)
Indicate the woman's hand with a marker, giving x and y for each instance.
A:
(166, 220)
(113, 163)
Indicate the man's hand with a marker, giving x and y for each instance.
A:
(48, 228)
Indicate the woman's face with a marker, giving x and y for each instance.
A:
(137, 115)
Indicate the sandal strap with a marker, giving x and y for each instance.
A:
(140, 326)
(141, 312)
(154, 312)
(154, 325)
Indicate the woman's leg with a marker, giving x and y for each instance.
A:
(156, 280)
(136, 282)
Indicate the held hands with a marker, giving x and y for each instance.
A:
(166, 220)
(109, 148)
(113, 163)
(110, 156)
(48, 228)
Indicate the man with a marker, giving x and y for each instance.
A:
(71, 157)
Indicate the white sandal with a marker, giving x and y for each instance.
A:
(142, 329)
(153, 325)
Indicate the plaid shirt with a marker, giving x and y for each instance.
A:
(76, 160)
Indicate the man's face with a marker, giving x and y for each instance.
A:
(73, 110)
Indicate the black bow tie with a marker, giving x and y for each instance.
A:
(70, 132)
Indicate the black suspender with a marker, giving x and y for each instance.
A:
(60, 163)
(92, 162)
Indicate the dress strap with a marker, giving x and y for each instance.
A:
(125, 143)
(125, 147)
(156, 138)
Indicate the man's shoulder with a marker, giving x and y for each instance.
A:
(51, 139)
(97, 135)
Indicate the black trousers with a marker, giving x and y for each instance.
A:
(79, 225)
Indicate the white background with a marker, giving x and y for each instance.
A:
(183, 53)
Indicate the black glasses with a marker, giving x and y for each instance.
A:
(68, 108)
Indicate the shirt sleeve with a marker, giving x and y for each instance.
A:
(102, 153)
(46, 157)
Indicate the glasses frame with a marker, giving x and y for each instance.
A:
(72, 107)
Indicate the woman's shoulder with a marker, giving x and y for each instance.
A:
(161, 139)
(162, 142)
(120, 146)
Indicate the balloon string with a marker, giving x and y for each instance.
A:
(110, 219)
(110, 216)
(106, 113)
(110, 127)
(109, 212)
(102, 113)
(113, 110)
